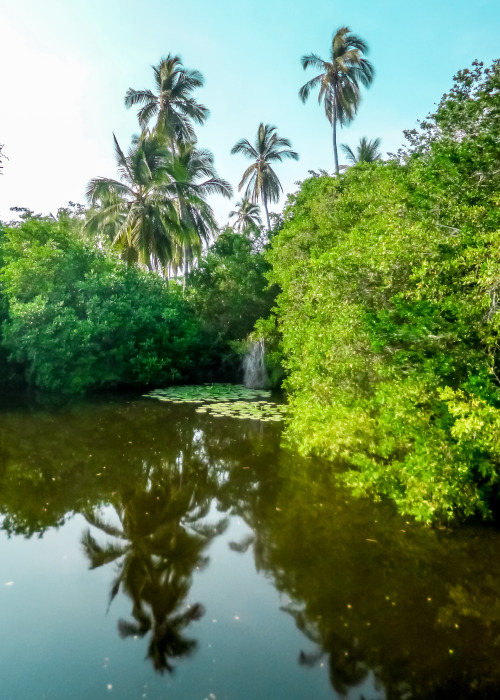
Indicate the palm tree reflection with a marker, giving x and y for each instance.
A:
(159, 542)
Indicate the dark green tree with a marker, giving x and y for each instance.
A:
(195, 179)
(80, 319)
(172, 103)
(366, 151)
(135, 211)
(247, 216)
(261, 180)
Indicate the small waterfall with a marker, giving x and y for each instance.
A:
(255, 375)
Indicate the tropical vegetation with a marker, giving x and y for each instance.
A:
(173, 104)
(375, 293)
(367, 151)
(247, 216)
(389, 312)
(339, 80)
(261, 180)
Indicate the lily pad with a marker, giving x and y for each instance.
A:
(224, 400)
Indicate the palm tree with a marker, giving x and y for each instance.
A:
(262, 181)
(135, 211)
(172, 104)
(247, 216)
(339, 80)
(195, 179)
(158, 210)
(366, 152)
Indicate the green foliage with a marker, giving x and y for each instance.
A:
(172, 105)
(366, 151)
(229, 291)
(79, 319)
(389, 312)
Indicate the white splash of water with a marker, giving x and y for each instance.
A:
(254, 369)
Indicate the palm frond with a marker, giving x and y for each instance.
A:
(250, 172)
(97, 555)
(313, 60)
(245, 147)
(306, 89)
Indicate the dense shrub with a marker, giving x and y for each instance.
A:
(79, 319)
(389, 311)
(230, 292)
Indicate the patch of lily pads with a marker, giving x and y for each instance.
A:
(225, 400)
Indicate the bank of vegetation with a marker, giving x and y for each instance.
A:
(376, 291)
(390, 278)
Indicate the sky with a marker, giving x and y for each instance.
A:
(65, 66)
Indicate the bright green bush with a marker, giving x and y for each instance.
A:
(389, 312)
(79, 319)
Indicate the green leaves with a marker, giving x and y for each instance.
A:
(389, 313)
(172, 104)
(79, 319)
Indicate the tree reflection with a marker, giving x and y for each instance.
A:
(393, 609)
(376, 599)
(158, 544)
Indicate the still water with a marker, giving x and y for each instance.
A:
(149, 551)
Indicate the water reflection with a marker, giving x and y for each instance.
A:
(391, 609)
(160, 541)
(417, 610)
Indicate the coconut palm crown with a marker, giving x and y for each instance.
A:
(366, 151)
(247, 216)
(157, 211)
(260, 178)
(195, 179)
(171, 103)
(339, 80)
(134, 211)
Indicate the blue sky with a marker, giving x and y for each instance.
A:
(65, 66)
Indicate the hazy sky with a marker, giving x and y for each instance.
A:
(65, 66)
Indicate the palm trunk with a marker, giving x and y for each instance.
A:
(264, 200)
(186, 267)
(334, 125)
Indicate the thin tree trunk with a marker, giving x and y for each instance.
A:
(186, 266)
(264, 199)
(334, 125)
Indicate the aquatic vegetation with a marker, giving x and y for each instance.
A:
(231, 400)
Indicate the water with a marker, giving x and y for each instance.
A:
(254, 369)
(223, 567)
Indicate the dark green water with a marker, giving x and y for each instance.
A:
(147, 551)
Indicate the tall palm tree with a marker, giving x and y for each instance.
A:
(262, 182)
(366, 151)
(172, 103)
(339, 80)
(247, 216)
(135, 211)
